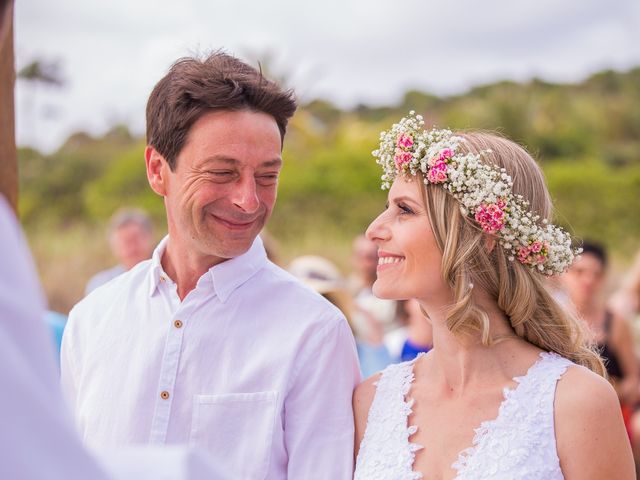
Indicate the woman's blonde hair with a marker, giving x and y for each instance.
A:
(518, 290)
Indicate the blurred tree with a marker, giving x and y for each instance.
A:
(587, 137)
(39, 72)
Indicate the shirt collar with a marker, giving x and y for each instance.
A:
(156, 272)
(225, 277)
(233, 273)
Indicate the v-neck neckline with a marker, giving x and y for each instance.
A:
(485, 426)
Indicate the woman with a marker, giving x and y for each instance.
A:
(626, 301)
(584, 282)
(510, 389)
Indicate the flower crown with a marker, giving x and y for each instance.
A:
(484, 191)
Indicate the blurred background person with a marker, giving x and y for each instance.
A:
(131, 241)
(324, 277)
(55, 322)
(584, 283)
(371, 313)
(625, 302)
(414, 337)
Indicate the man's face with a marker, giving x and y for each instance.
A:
(131, 243)
(225, 182)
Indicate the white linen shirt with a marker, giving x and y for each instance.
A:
(37, 438)
(252, 366)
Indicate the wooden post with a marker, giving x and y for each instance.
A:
(8, 155)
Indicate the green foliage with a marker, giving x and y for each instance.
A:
(586, 136)
(597, 202)
(124, 183)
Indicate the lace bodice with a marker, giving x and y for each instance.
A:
(519, 444)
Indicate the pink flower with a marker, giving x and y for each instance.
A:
(404, 140)
(490, 217)
(445, 154)
(438, 173)
(529, 256)
(523, 254)
(402, 158)
(536, 247)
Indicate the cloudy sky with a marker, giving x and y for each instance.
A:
(111, 53)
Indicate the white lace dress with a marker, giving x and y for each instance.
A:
(519, 444)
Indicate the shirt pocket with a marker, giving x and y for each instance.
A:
(236, 430)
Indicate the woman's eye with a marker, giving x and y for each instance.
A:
(404, 209)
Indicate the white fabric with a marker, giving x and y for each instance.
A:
(37, 437)
(259, 373)
(519, 444)
(158, 463)
(395, 340)
(383, 311)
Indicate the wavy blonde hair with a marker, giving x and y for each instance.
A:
(521, 293)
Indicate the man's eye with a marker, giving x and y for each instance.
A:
(268, 179)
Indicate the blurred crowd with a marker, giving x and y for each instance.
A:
(389, 332)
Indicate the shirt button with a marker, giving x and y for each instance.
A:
(177, 324)
(164, 395)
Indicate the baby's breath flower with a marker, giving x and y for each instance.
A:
(484, 190)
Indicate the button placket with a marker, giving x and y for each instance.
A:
(168, 374)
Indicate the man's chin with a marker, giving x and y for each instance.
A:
(231, 249)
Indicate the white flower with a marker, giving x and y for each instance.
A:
(474, 183)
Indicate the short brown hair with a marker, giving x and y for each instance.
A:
(193, 87)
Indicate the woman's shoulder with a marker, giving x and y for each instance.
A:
(590, 432)
(581, 390)
(366, 391)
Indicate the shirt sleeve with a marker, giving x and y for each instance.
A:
(319, 429)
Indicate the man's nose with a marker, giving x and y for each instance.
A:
(245, 195)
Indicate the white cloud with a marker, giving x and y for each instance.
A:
(350, 51)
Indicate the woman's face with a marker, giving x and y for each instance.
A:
(409, 262)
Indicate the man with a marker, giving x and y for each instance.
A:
(209, 342)
(37, 438)
(131, 241)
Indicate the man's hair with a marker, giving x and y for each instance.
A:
(128, 216)
(194, 87)
(595, 249)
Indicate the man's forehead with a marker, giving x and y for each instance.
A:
(232, 162)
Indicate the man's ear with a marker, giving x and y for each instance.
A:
(157, 170)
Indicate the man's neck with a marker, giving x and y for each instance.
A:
(185, 267)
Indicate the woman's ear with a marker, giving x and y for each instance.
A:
(490, 243)
(157, 170)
